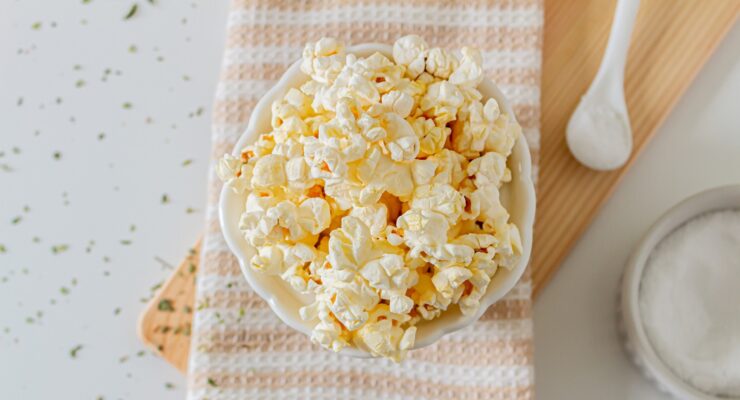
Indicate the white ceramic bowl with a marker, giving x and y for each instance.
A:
(518, 196)
(635, 338)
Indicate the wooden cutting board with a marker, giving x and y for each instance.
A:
(671, 41)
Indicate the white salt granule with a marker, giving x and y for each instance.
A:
(690, 302)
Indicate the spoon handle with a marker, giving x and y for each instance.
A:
(615, 55)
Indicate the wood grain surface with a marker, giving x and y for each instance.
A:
(671, 41)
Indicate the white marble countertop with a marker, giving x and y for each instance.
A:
(98, 116)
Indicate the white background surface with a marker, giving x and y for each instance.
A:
(98, 189)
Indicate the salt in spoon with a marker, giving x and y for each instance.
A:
(599, 133)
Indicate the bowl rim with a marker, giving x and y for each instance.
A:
(714, 199)
(492, 294)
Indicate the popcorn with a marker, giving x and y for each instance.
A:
(432, 138)
(377, 192)
(411, 51)
(442, 101)
(469, 73)
(323, 60)
(235, 173)
(269, 171)
(440, 63)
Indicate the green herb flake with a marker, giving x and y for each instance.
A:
(16, 220)
(73, 352)
(57, 155)
(16, 150)
(169, 386)
(132, 48)
(127, 106)
(165, 198)
(187, 162)
(36, 25)
(63, 290)
(165, 305)
(212, 383)
(80, 83)
(132, 11)
(3, 249)
(60, 248)
(26, 209)
(140, 353)
(86, 1)
(117, 311)
(126, 242)
(123, 359)
(192, 268)
(190, 210)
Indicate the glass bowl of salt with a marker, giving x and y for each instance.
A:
(680, 298)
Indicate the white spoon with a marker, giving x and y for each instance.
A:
(599, 133)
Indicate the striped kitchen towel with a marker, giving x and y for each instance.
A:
(240, 350)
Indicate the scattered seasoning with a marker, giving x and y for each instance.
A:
(165, 199)
(16, 150)
(164, 263)
(132, 11)
(73, 352)
(6, 168)
(187, 162)
(192, 268)
(36, 25)
(57, 155)
(36, 239)
(127, 106)
(190, 210)
(26, 209)
(20, 102)
(132, 48)
(169, 386)
(3, 249)
(86, 1)
(211, 382)
(101, 135)
(140, 353)
(117, 311)
(166, 305)
(77, 67)
(186, 78)
(123, 359)
(80, 83)
(126, 242)
(60, 248)
(16, 220)
(187, 309)
(63, 290)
